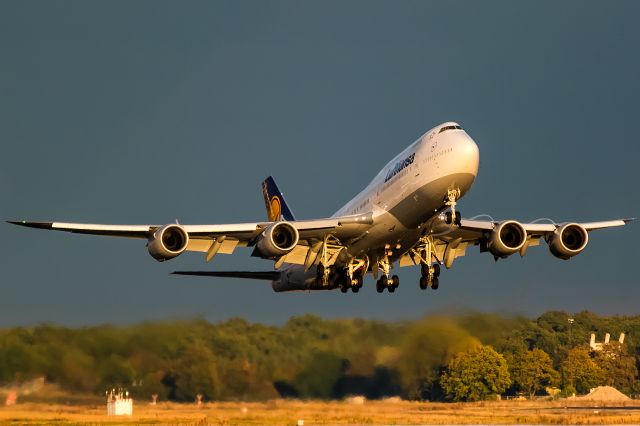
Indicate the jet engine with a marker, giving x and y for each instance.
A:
(506, 238)
(568, 240)
(277, 240)
(168, 242)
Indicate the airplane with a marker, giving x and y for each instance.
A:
(406, 216)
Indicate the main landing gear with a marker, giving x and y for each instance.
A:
(390, 283)
(425, 254)
(430, 276)
(385, 281)
(354, 283)
(349, 277)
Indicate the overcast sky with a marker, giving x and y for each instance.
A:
(148, 112)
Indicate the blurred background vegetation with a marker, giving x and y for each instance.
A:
(464, 356)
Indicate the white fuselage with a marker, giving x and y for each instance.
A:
(409, 191)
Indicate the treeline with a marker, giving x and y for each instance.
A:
(468, 356)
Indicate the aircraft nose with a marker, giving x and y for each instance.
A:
(469, 155)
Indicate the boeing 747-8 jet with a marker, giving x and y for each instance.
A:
(408, 215)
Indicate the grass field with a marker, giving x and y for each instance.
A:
(288, 412)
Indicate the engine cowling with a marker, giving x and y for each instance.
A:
(277, 240)
(168, 242)
(507, 238)
(568, 240)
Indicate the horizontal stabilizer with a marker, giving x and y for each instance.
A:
(266, 275)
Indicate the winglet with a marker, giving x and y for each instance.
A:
(41, 225)
(275, 203)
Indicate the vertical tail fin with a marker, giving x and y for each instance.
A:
(277, 207)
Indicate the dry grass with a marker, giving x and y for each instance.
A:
(287, 412)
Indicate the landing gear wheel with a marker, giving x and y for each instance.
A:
(388, 283)
(436, 270)
(355, 289)
(320, 275)
(344, 282)
(379, 286)
(395, 281)
(424, 270)
(424, 283)
(448, 218)
(435, 284)
(458, 219)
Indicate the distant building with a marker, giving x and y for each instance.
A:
(599, 346)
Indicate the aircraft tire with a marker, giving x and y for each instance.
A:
(424, 283)
(436, 270)
(448, 218)
(396, 281)
(379, 285)
(344, 289)
(435, 284)
(424, 270)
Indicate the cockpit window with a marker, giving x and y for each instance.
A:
(445, 128)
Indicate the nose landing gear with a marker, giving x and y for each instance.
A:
(452, 216)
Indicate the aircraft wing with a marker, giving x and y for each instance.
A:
(539, 228)
(453, 243)
(230, 236)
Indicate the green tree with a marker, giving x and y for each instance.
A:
(194, 373)
(475, 375)
(424, 353)
(320, 374)
(532, 370)
(580, 371)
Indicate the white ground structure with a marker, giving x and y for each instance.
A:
(119, 403)
(597, 346)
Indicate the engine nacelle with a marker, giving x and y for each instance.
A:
(507, 238)
(277, 240)
(168, 242)
(568, 240)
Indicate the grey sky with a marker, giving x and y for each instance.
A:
(144, 112)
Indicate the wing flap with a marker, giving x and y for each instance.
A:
(298, 255)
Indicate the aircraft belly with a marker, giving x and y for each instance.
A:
(295, 278)
(421, 204)
(387, 231)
